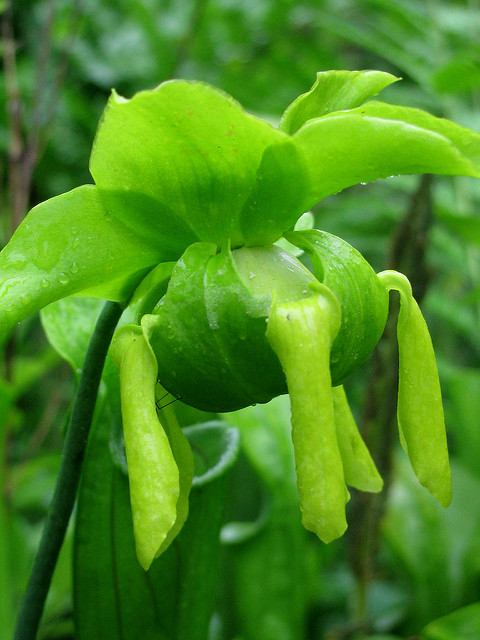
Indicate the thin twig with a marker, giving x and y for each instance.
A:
(15, 113)
(63, 61)
(43, 60)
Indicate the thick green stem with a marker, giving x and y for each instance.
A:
(69, 475)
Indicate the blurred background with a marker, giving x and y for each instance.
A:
(404, 561)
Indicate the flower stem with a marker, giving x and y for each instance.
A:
(69, 475)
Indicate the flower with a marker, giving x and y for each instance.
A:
(191, 194)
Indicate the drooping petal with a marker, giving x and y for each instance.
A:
(183, 455)
(333, 91)
(420, 410)
(359, 469)
(186, 156)
(67, 245)
(378, 140)
(152, 469)
(301, 334)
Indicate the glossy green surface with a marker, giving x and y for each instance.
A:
(420, 409)
(301, 334)
(209, 332)
(152, 469)
(363, 298)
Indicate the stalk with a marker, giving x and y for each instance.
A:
(69, 475)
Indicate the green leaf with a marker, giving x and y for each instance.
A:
(420, 410)
(463, 624)
(68, 245)
(184, 161)
(438, 577)
(198, 545)
(71, 317)
(379, 140)
(114, 597)
(333, 91)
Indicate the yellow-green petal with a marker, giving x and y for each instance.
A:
(183, 455)
(359, 468)
(420, 411)
(301, 334)
(152, 470)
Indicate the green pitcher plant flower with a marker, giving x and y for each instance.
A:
(191, 197)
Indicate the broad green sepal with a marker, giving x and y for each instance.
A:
(359, 469)
(191, 165)
(301, 333)
(68, 245)
(362, 297)
(333, 91)
(152, 469)
(420, 410)
(379, 141)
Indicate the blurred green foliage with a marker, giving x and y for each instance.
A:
(276, 582)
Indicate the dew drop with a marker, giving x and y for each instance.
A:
(45, 283)
(63, 278)
(74, 267)
(76, 242)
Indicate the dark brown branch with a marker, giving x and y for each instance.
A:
(15, 111)
(44, 56)
(61, 71)
(407, 254)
